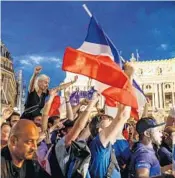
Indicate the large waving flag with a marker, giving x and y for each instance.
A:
(98, 59)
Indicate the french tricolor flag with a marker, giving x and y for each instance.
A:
(97, 58)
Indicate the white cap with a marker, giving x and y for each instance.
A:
(172, 112)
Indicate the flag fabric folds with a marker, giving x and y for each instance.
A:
(98, 59)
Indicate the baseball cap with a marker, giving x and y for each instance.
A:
(146, 123)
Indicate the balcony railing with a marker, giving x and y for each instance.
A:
(7, 68)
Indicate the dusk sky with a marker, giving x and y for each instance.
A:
(37, 33)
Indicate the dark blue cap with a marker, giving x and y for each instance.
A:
(146, 123)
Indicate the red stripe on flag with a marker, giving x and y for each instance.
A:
(103, 69)
(54, 109)
(125, 96)
(100, 68)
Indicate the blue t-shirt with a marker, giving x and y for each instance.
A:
(122, 151)
(165, 155)
(100, 160)
(144, 157)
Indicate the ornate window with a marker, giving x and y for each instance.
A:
(167, 86)
(148, 87)
(159, 71)
(140, 71)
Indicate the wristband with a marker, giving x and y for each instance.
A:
(67, 101)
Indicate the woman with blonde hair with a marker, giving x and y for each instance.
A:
(38, 91)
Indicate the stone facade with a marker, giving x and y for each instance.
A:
(8, 82)
(157, 80)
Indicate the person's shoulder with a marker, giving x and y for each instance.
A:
(33, 165)
(122, 143)
(164, 151)
(141, 152)
(5, 154)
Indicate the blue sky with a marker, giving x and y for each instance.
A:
(38, 32)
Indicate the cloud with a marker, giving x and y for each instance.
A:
(33, 60)
(164, 46)
(25, 62)
(172, 54)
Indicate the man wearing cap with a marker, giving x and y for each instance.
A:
(144, 162)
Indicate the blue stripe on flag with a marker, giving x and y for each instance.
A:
(95, 33)
(138, 87)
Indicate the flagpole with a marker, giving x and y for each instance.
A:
(90, 15)
(87, 10)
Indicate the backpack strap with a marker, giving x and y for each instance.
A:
(113, 164)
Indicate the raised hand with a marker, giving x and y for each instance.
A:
(6, 112)
(129, 68)
(84, 102)
(37, 70)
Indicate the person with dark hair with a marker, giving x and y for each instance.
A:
(165, 151)
(144, 161)
(5, 131)
(14, 118)
(17, 158)
(105, 131)
(52, 120)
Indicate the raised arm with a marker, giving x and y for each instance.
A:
(80, 123)
(69, 111)
(77, 107)
(37, 70)
(46, 110)
(111, 132)
(66, 85)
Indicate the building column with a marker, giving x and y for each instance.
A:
(153, 101)
(156, 96)
(173, 102)
(160, 95)
(164, 99)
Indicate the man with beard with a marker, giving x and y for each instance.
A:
(17, 158)
(144, 162)
(165, 151)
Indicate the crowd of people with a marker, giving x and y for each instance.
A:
(82, 145)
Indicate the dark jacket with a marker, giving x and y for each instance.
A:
(74, 161)
(29, 169)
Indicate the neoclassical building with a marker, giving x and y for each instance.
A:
(8, 81)
(157, 80)
(155, 77)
